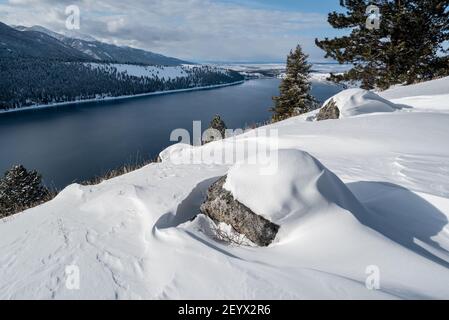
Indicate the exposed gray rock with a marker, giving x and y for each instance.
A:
(221, 206)
(329, 111)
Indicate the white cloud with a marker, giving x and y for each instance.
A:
(189, 29)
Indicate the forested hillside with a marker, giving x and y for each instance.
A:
(27, 82)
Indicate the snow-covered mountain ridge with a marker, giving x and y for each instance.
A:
(95, 50)
(132, 237)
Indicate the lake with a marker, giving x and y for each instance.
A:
(76, 142)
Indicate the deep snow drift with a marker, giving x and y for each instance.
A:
(132, 237)
(432, 95)
(354, 102)
(300, 188)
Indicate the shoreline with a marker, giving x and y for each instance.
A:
(140, 95)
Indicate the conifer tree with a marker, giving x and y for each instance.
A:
(216, 131)
(21, 189)
(408, 47)
(295, 97)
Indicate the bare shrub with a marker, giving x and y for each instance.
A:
(114, 173)
(228, 235)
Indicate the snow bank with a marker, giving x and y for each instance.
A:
(432, 103)
(431, 96)
(300, 186)
(429, 88)
(355, 102)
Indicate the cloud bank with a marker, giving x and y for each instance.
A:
(199, 30)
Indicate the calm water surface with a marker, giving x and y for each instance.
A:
(77, 142)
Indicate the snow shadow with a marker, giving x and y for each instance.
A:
(402, 106)
(402, 216)
(188, 209)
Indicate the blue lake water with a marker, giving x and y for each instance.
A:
(77, 142)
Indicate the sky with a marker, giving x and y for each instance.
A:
(194, 30)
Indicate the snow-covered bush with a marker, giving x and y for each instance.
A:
(21, 189)
(216, 131)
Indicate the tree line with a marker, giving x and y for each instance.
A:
(26, 82)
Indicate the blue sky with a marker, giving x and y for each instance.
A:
(198, 30)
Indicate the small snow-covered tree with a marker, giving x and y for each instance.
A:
(21, 189)
(295, 97)
(216, 130)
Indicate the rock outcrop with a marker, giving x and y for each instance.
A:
(329, 111)
(221, 206)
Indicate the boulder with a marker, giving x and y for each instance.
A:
(355, 102)
(329, 111)
(221, 206)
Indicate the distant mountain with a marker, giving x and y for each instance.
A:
(112, 53)
(70, 34)
(101, 51)
(34, 44)
(77, 35)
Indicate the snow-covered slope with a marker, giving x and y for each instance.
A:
(430, 88)
(132, 237)
(432, 95)
(162, 72)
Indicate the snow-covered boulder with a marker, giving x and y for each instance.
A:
(354, 102)
(221, 207)
(301, 187)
